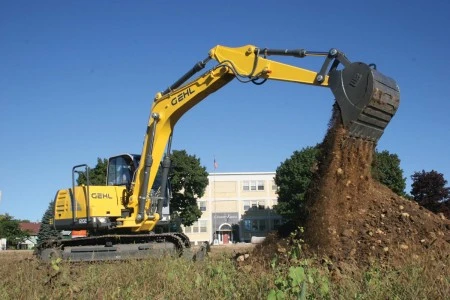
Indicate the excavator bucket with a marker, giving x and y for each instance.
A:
(367, 99)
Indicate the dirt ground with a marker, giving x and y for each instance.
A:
(355, 219)
(231, 249)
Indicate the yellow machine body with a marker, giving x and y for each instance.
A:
(75, 210)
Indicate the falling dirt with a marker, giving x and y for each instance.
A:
(354, 219)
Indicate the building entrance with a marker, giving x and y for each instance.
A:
(224, 234)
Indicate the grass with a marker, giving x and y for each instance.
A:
(219, 277)
(418, 279)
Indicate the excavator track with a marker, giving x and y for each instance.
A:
(115, 247)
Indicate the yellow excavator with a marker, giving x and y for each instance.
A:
(121, 216)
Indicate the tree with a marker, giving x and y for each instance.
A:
(386, 169)
(10, 229)
(47, 231)
(97, 175)
(428, 189)
(293, 177)
(188, 181)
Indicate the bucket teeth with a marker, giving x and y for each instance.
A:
(367, 99)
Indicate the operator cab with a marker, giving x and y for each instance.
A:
(122, 169)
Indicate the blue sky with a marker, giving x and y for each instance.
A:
(77, 79)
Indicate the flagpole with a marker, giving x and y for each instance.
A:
(214, 200)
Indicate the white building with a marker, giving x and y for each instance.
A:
(236, 207)
(2, 244)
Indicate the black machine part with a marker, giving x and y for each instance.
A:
(121, 247)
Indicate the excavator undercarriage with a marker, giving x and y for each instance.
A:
(122, 247)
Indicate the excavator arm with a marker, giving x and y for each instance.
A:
(367, 100)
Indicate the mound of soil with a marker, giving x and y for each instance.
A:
(353, 217)
(355, 220)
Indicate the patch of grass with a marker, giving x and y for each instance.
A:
(221, 277)
(424, 278)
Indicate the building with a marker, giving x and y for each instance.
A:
(235, 208)
(33, 231)
(2, 244)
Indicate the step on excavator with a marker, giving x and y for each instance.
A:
(120, 218)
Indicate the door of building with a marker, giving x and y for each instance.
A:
(225, 237)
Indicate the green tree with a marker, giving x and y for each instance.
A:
(188, 181)
(386, 169)
(293, 178)
(429, 190)
(47, 231)
(10, 229)
(97, 175)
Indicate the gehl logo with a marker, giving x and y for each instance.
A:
(100, 196)
(182, 95)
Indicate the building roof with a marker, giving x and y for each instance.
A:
(241, 173)
(32, 228)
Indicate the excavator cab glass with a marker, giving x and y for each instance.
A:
(121, 169)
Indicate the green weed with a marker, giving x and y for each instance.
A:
(295, 278)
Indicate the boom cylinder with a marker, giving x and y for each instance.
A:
(165, 178)
(197, 67)
(294, 52)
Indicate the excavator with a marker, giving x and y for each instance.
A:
(121, 216)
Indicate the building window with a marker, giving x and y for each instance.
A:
(262, 225)
(193, 228)
(253, 185)
(202, 205)
(261, 204)
(260, 185)
(274, 186)
(203, 225)
(254, 225)
(199, 226)
(254, 204)
(276, 223)
(248, 225)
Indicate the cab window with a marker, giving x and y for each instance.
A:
(120, 170)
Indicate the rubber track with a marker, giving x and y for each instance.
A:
(175, 238)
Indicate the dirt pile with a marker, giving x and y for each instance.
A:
(353, 217)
